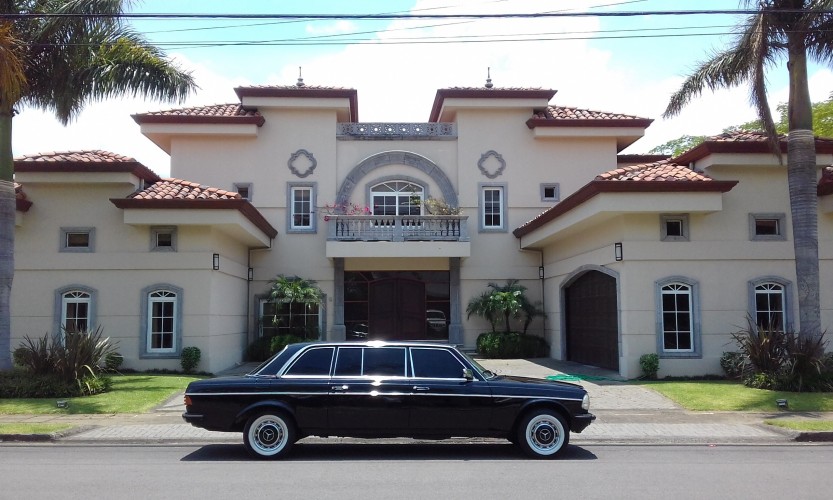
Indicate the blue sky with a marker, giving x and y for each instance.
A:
(616, 64)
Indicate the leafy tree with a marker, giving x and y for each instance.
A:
(675, 147)
(59, 64)
(794, 29)
(504, 301)
(291, 290)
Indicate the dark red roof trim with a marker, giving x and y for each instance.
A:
(823, 146)
(243, 206)
(637, 158)
(603, 122)
(477, 93)
(200, 119)
(350, 94)
(594, 188)
(132, 167)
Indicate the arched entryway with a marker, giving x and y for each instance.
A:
(592, 320)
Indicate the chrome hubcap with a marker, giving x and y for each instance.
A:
(269, 435)
(544, 435)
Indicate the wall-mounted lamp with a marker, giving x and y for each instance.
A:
(540, 272)
(216, 261)
(617, 251)
(251, 275)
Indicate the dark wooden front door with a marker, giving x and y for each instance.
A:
(592, 320)
(397, 309)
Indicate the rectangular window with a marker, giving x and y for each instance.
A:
(550, 192)
(163, 239)
(767, 227)
(301, 208)
(300, 211)
(674, 227)
(77, 239)
(769, 306)
(295, 318)
(244, 190)
(492, 208)
(75, 311)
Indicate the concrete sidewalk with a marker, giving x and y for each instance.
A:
(625, 413)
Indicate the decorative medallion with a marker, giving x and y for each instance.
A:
(491, 160)
(302, 160)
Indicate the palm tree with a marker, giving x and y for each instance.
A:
(794, 29)
(60, 63)
(290, 290)
(506, 301)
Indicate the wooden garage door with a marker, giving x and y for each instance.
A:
(592, 321)
(397, 309)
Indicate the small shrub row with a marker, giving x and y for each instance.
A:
(501, 345)
(189, 358)
(22, 384)
(650, 365)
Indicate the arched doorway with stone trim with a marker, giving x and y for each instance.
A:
(590, 301)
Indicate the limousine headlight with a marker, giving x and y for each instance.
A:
(585, 402)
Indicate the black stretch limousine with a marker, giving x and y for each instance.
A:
(385, 389)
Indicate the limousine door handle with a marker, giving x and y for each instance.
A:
(421, 388)
(340, 387)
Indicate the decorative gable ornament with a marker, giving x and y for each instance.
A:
(491, 164)
(302, 163)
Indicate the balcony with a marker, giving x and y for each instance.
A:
(398, 236)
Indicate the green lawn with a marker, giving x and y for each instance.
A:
(130, 394)
(733, 396)
(803, 425)
(33, 428)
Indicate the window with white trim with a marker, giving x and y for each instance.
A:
(295, 318)
(75, 311)
(492, 208)
(301, 210)
(770, 306)
(397, 198)
(162, 320)
(678, 318)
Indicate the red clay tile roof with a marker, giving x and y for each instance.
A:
(216, 113)
(634, 159)
(305, 91)
(743, 141)
(83, 161)
(563, 116)
(177, 194)
(93, 156)
(658, 171)
(657, 177)
(178, 189)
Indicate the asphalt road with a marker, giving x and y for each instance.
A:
(425, 472)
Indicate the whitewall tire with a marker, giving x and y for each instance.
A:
(543, 434)
(269, 434)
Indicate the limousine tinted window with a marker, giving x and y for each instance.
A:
(313, 362)
(349, 362)
(435, 363)
(384, 361)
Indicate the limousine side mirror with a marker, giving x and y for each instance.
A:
(468, 374)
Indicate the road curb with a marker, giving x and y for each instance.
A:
(814, 437)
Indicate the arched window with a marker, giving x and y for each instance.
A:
(397, 198)
(677, 318)
(75, 310)
(770, 303)
(162, 321)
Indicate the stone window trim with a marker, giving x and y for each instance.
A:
(683, 219)
(481, 209)
(246, 188)
(781, 219)
(58, 312)
(694, 294)
(155, 231)
(553, 187)
(144, 313)
(788, 297)
(66, 231)
(290, 207)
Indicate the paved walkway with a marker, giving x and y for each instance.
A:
(625, 414)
